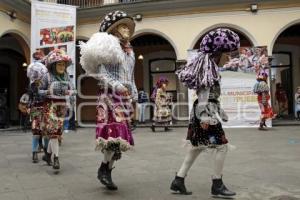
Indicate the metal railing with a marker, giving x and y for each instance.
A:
(89, 3)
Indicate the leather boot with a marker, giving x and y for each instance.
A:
(261, 126)
(153, 128)
(35, 157)
(110, 185)
(178, 186)
(47, 157)
(56, 164)
(103, 174)
(219, 189)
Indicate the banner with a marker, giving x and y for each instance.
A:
(54, 26)
(238, 71)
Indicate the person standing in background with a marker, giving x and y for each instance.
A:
(281, 99)
(142, 103)
(162, 111)
(297, 103)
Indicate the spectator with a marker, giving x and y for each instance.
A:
(297, 102)
(142, 103)
(23, 107)
(162, 112)
(281, 99)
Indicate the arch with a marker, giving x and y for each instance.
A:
(242, 30)
(79, 37)
(290, 24)
(23, 40)
(159, 33)
(19, 33)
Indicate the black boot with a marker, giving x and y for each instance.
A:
(264, 124)
(167, 128)
(153, 128)
(35, 157)
(103, 174)
(110, 185)
(56, 164)
(47, 157)
(261, 126)
(218, 188)
(178, 186)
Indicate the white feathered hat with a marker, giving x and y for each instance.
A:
(100, 49)
(36, 71)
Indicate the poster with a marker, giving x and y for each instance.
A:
(238, 71)
(54, 26)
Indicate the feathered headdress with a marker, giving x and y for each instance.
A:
(100, 49)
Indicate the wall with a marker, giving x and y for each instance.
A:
(16, 26)
(183, 31)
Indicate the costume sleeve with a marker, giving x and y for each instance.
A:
(223, 115)
(296, 97)
(158, 97)
(72, 91)
(43, 89)
(107, 79)
(134, 89)
(192, 115)
(201, 110)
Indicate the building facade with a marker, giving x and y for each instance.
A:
(163, 36)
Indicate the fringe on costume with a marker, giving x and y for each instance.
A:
(260, 87)
(103, 144)
(200, 72)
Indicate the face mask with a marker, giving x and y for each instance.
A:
(123, 32)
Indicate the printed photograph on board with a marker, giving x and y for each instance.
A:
(56, 35)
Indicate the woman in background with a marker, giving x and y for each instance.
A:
(162, 111)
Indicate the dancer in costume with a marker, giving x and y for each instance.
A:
(162, 111)
(109, 57)
(205, 130)
(261, 88)
(56, 87)
(35, 73)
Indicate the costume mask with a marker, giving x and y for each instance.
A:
(60, 67)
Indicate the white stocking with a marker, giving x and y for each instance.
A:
(107, 156)
(218, 159)
(111, 164)
(188, 161)
(53, 146)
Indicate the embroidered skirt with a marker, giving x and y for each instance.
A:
(162, 114)
(54, 115)
(113, 116)
(36, 115)
(265, 108)
(211, 137)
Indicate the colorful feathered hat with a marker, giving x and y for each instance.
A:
(220, 40)
(161, 81)
(58, 55)
(201, 71)
(262, 76)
